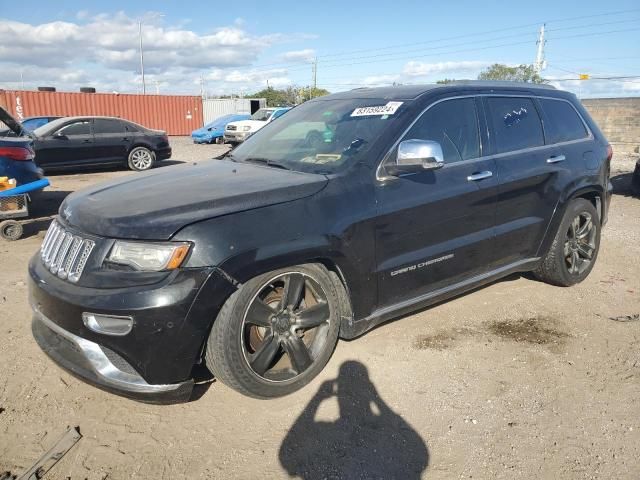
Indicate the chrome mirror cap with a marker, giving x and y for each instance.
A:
(416, 155)
(426, 153)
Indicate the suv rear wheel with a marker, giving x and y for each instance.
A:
(276, 333)
(575, 246)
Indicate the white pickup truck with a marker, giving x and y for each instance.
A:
(236, 132)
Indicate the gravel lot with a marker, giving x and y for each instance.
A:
(515, 380)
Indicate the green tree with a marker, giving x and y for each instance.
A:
(288, 96)
(521, 73)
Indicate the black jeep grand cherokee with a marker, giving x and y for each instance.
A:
(350, 210)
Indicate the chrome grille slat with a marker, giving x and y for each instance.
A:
(64, 253)
(52, 241)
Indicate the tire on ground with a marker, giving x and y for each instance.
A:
(224, 351)
(136, 155)
(553, 269)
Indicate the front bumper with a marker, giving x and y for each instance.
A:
(236, 137)
(97, 365)
(171, 321)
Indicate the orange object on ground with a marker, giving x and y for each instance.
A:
(7, 183)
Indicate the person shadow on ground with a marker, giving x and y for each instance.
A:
(367, 441)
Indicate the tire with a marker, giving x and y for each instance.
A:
(11, 230)
(240, 353)
(219, 141)
(635, 181)
(572, 255)
(141, 159)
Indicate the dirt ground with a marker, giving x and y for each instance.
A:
(515, 380)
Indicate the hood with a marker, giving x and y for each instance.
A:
(12, 123)
(254, 124)
(206, 131)
(155, 205)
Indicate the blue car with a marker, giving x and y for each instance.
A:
(29, 124)
(214, 131)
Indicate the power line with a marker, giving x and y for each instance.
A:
(377, 58)
(426, 42)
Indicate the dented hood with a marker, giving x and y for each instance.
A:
(155, 205)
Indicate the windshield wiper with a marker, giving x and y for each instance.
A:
(267, 162)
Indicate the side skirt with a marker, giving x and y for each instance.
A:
(351, 328)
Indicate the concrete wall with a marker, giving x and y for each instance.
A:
(619, 120)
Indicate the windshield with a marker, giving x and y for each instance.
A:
(320, 136)
(262, 115)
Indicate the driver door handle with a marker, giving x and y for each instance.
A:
(479, 176)
(556, 159)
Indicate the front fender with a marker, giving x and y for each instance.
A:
(249, 243)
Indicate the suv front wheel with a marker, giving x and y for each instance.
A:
(575, 246)
(276, 332)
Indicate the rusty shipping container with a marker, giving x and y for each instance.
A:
(175, 114)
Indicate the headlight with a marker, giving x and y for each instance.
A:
(149, 257)
(246, 128)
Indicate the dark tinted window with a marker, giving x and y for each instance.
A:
(516, 123)
(102, 125)
(562, 122)
(76, 128)
(131, 127)
(453, 124)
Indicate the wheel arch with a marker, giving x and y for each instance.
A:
(593, 193)
(141, 144)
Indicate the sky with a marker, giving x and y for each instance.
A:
(231, 47)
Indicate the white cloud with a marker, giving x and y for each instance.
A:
(421, 69)
(305, 55)
(106, 45)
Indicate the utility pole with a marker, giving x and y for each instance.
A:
(540, 63)
(144, 87)
(140, 21)
(314, 70)
(201, 86)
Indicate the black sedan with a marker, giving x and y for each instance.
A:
(74, 142)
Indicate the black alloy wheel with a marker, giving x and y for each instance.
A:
(580, 243)
(285, 327)
(277, 331)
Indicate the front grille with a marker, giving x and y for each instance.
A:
(64, 253)
(231, 127)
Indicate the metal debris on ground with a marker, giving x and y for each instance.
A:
(626, 318)
(53, 455)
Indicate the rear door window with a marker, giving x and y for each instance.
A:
(76, 128)
(105, 125)
(454, 125)
(562, 122)
(516, 123)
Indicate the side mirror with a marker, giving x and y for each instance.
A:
(416, 155)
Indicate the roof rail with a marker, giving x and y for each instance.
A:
(500, 83)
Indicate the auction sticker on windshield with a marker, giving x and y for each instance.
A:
(388, 109)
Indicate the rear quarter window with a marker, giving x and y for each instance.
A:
(516, 123)
(562, 122)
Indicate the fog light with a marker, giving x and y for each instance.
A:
(107, 324)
